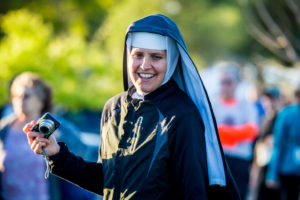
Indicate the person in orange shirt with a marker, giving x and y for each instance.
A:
(237, 125)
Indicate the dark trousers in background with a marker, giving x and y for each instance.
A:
(263, 192)
(289, 187)
(240, 170)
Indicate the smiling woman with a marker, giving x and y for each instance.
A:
(158, 138)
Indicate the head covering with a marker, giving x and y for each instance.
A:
(188, 79)
(147, 40)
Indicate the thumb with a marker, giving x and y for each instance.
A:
(28, 126)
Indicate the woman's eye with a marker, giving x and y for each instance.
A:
(155, 57)
(137, 55)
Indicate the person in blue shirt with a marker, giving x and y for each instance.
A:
(284, 168)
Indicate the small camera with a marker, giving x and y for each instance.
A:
(46, 125)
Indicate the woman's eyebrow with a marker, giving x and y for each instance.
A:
(136, 52)
(157, 54)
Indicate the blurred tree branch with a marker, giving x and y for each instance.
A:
(295, 8)
(275, 26)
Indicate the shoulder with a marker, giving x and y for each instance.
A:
(5, 123)
(115, 101)
(185, 103)
(180, 105)
(289, 110)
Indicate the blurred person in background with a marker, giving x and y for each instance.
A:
(284, 168)
(272, 103)
(159, 139)
(237, 125)
(21, 171)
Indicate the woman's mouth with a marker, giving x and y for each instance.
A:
(146, 76)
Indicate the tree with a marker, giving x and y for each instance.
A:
(213, 30)
(73, 66)
(77, 45)
(276, 26)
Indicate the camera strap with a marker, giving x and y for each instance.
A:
(47, 163)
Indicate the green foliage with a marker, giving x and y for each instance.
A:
(77, 45)
(71, 65)
(211, 30)
(276, 27)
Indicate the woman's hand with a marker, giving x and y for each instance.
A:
(37, 141)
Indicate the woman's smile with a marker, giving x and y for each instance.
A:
(145, 76)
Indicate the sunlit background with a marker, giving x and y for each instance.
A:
(77, 45)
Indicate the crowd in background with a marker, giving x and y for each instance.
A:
(258, 127)
(259, 130)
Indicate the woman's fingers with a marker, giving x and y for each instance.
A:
(41, 139)
(39, 143)
(34, 147)
(30, 135)
(37, 147)
(28, 126)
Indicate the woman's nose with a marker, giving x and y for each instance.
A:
(146, 64)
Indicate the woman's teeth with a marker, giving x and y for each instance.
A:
(146, 75)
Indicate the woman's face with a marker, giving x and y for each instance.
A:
(26, 101)
(147, 68)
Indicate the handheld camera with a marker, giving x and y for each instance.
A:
(46, 125)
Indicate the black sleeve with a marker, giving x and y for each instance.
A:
(88, 175)
(188, 157)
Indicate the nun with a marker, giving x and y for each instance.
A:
(158, 138)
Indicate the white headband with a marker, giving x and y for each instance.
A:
(147, 40)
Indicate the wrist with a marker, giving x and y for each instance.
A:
(55, 151)
(59, 153)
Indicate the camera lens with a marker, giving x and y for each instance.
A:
(47, 127)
